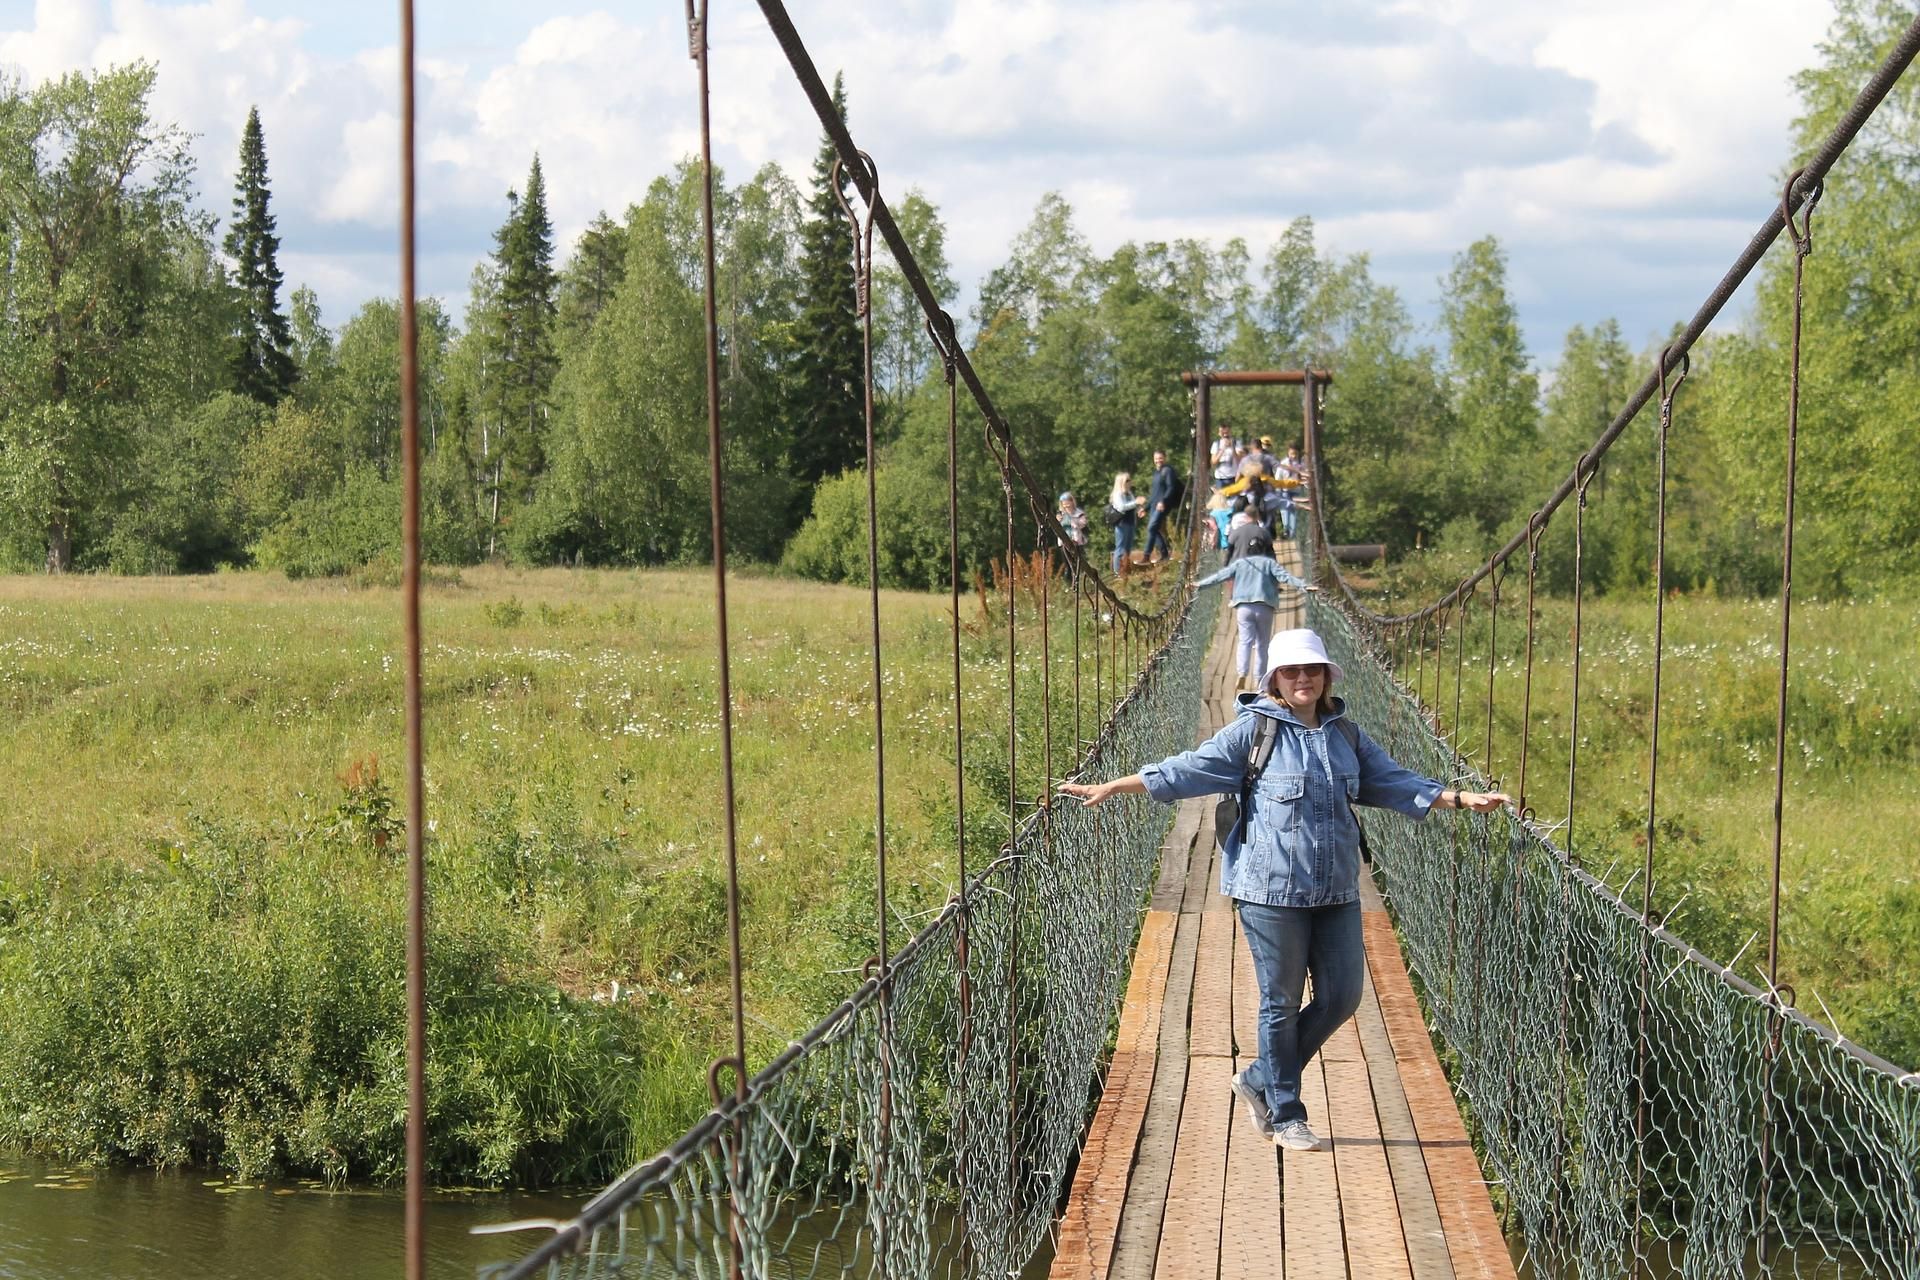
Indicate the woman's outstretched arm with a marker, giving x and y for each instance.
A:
(1092, 793)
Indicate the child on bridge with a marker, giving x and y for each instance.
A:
(1257, 579)
(1291, 862)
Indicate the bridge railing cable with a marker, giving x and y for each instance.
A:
(1640, 1107)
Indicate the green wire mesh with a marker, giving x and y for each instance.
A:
(1620, 1142)
(927, 1126)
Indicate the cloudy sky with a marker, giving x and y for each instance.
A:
(1622, 150)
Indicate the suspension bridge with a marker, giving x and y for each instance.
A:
(1542, 1078)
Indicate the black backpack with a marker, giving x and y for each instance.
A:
(1230, 811)
(1111, 514)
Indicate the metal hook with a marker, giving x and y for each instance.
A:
(1666, 392)
(714, 1069)
(1802, 235)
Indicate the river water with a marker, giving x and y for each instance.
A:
(60, 1223)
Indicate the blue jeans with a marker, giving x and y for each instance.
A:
(1288, 944)
(1123, 542)
(1157, 535)
(1286, 515)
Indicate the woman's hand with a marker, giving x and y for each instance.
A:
(1092, 793)
(1481, 801)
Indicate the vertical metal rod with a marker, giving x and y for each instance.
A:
(416, 1190)
(1535, 528)
(1580, 483)
(716, 497)
(863, 304)
(1493, 646)
(943, 337)
(1459, 826)
(1802, 237)
(1647, 921)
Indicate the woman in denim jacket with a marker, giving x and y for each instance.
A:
(1292, 866)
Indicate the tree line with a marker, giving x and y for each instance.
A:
(161, 412)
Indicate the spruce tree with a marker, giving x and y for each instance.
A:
(599, 264)
(824, 393)
(521, 361)
(263, 364)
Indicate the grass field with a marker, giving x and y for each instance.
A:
(200, 876)
(1850, 896)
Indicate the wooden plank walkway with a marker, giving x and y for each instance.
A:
(1174, 1181)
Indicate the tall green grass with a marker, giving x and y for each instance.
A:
(201, 880)
(1850, 877)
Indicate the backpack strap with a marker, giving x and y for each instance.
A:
(1265, 737)
(1351, 732)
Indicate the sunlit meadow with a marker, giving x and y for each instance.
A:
(203, 772)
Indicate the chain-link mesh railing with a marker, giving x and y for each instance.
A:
(930, 1133)
(1713, 1135)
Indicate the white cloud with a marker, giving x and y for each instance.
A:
(1613, 146)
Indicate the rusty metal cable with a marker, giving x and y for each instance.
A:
(1647, 919)
(962, 957)
(863, 304)
(416, 1141)
(699, 50)
(1778, 993)
(1536, 528)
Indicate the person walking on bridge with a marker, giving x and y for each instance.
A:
(1123, 517)
(1291, 860)
(1257, 578)
(1163, 496)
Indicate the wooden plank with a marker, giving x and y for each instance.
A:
(1250, 1243)
(1191, 1231)
(1200, 872)
(1092, 1217)
(1138, 1238)
(1176, 855)
(1474, 1243)
(1211, 1027)
(1370, 1216)
(1315, 1245)
(1419, 1215)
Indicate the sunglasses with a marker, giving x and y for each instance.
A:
(1294, 673)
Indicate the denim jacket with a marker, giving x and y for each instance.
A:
(1256, 580)
(1301, 845)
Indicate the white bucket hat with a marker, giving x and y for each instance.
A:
(1299, 648)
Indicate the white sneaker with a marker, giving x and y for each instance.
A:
(1294, 1135)
(1256, 1104)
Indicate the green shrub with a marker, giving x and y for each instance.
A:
(241, 1006)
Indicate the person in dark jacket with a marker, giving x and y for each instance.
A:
(1247, 537)
(1162, 498)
